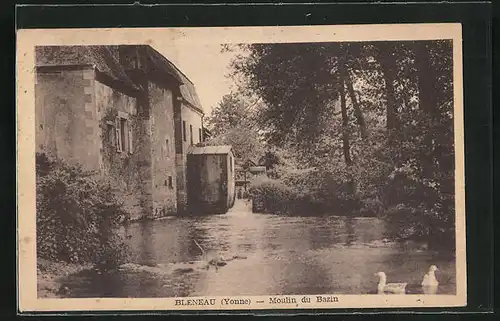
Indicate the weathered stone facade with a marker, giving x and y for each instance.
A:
(190, 122)
(107, 109)
(163, 152)
(65, 128)
(128, 165)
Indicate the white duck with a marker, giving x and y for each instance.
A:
(384, 287)
(430, 283)
(430, 277)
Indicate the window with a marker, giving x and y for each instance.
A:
(123, 136)
(118, 135)
(230, 164)
(199, 135)
(109, 133)
(123, 131)
(170, 184)
(184, 130)
(191, 133)
(167, 149)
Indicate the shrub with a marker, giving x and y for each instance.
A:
(272, 193)
(285, 197)
(76, 213)
(418, 210)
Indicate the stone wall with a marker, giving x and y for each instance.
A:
(129, 167)
(163, 151)
(76, 120)
(66, 118)
(189, 118)
(193, 120)
(79, 116)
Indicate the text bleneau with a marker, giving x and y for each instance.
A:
(191, 302)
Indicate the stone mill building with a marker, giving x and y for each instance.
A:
(124, 111)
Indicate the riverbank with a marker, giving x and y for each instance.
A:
(50, 275)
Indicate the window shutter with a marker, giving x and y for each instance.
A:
(191, 134)
(130, 145)
(184, 130)
(118, 135)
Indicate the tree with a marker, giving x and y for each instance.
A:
(231, 123)
(345, 121)
(229, 113)
(423, 181)
(295, 84)
(389, 92)
(386, 56)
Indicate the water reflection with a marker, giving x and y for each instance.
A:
(351, 236)
(279, 255)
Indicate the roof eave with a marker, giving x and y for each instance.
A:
(65, 66)
(128, 89)
(189, 104)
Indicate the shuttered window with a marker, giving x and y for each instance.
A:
(118, 135)
(191, 134)
(184, 130)
(123, 135)
(130, 139)
(110, 133)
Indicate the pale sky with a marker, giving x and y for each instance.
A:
(205, 66)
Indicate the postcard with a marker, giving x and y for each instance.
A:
(240, 168)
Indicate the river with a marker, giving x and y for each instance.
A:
(276, 255)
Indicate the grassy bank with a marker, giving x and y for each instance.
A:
(50, 275)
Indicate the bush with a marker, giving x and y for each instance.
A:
(76, 213)
(418, 210)
(273, 194)
(284, 197)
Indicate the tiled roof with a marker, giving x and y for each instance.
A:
(155, 61)
(100, 56)
(188, 90)
(106, 60)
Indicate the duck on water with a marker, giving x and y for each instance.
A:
(429, 284)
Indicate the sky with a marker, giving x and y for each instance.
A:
(205, 66)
